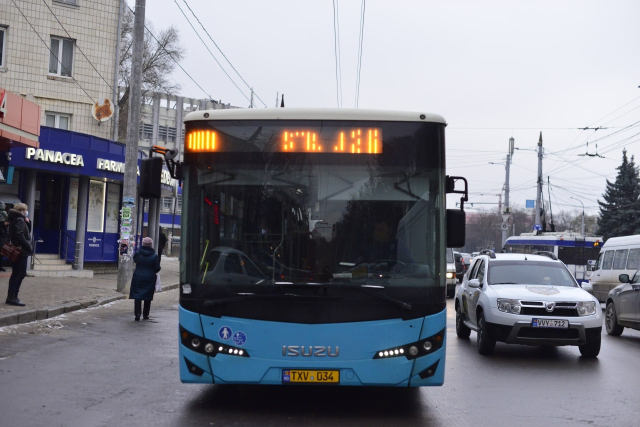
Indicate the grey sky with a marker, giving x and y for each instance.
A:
(493, 69)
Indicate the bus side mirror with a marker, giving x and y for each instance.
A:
(150, 177)
(455, 228)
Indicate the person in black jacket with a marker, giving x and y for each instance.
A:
(162, 242)
(143, 283)
(19, 235)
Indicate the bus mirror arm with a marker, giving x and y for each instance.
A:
(169, 154)
(450, 188)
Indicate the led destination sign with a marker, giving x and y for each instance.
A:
(359, 140)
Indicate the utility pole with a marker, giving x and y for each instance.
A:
(251, 106)
(539, 192)
(507, 210)
(129, 195)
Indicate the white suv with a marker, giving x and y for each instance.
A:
(526, 299)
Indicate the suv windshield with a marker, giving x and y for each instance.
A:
(529, 273)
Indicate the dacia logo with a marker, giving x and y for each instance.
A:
(550, 306)
(310, 350)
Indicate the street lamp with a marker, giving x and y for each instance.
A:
(582, 212)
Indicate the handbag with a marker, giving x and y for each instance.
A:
(12, 252)
(158, 283)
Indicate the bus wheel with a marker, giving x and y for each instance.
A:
(461, 329)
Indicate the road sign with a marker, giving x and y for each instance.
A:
(531, 204)
(504, 226)
(537, 227)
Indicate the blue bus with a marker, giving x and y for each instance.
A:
(577, 251)
(313, 247)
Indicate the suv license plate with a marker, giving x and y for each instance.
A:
(309, 376)
(550, 323)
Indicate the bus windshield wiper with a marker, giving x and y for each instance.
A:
(365, 288)
(369, 289)
(241, 296)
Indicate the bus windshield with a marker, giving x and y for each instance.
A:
(323, 233)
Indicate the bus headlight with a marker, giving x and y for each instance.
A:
(416, 349)
(207, 347)
(509, 305)
(586, 308)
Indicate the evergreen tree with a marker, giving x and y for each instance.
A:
(620, 210)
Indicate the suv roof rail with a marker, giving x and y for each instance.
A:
(489, 252)
(547, 254)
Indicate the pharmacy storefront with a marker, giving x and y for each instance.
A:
(51, 177)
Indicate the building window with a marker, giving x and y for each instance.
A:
(3, 33)
(167, 134)
(60, 121)
(167, 204)
(146, 131)
(73, 2)
(61, 57)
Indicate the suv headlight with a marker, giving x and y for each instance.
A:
(586, 308)
(509, 305)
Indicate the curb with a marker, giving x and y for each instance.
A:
(27, 316)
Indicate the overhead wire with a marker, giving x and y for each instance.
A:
(335, 53)
(360, 43)
(211, 53)
(218, 47)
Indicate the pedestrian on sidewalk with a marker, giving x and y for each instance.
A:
(162, 242)
(4, 229)
(20, 235)
(143, 283)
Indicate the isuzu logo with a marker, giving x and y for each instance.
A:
(310, 350)
(550, 306)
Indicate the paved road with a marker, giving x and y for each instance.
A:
(97, 367)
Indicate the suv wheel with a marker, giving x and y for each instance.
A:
(461, 329)
(486, 340)
(591, 349)
(611, 321)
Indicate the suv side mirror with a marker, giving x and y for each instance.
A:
(474, 283)
(624, 278)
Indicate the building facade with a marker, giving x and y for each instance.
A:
(61, 55)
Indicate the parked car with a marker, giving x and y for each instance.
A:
(461, 266)
(623, 305)
(451, 273)
(529, 299)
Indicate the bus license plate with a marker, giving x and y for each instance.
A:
(309, 376)
(550, 323)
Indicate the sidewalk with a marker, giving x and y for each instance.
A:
(47, 297)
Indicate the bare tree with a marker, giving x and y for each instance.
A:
(158, 62)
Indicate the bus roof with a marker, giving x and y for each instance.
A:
(553, 236)
(313, 114)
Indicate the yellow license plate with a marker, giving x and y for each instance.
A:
(309, 376)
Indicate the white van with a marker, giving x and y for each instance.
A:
(619, 255)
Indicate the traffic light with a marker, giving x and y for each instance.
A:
(150, 177)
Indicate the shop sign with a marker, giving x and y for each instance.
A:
(52, 156)
(93, 242)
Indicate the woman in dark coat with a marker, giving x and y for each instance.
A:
(20, 235)
(143, 283)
